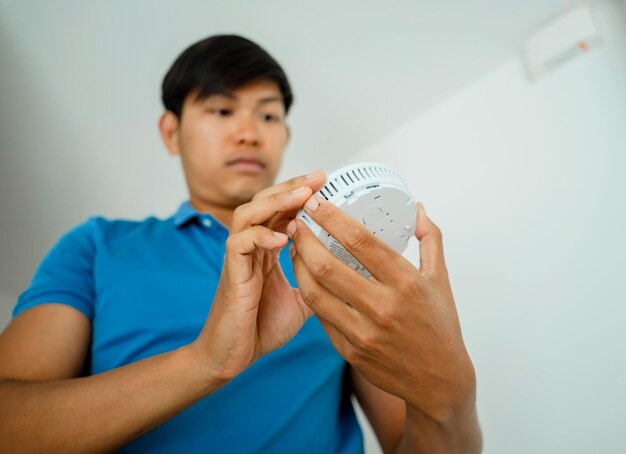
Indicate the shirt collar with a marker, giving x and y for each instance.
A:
(187, 214)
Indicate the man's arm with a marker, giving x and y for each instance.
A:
(43, 405)
(385, 412)
(398, 433)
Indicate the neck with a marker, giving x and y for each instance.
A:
(224, 214)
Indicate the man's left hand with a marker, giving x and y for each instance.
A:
(400, 327)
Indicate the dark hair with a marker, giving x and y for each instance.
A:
(219, 64)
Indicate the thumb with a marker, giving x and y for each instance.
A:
(431, 245)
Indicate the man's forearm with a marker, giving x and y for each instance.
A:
(457, 432)
(102, 412)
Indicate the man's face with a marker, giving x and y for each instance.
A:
(231, 144)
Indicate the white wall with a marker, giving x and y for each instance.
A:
(528, 182)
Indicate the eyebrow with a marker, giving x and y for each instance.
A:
(266, 100)
(270, 99)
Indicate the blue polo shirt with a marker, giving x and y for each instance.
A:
(147, 288)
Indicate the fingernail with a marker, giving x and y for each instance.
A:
(312, 203)
(291, 227)
(292, 251)
(311, 175)
(300, 189)
(281, 236)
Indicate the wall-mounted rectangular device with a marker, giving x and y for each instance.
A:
(570, 33)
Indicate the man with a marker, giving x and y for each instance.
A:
(188, 333)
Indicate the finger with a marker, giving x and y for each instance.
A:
(431, 243)
(380, 259)
(341, 331)
(341, 343)
(313, 180)
(240, 245)
(335, 276)
(258, 211)
(326, 306)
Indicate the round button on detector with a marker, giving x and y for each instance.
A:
(372, 217)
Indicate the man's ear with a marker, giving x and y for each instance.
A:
(169, 128)
(288, 133)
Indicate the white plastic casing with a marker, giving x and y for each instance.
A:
(375, 195)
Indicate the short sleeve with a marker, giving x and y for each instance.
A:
(65, 275)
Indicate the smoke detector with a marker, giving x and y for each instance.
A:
(373, 194)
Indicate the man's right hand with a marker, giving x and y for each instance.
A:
(255, 309)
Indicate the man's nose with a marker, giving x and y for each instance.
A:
(247, 132)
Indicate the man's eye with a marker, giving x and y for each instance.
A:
(270, 117)
(221, 112)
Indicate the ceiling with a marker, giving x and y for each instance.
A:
(80, 89)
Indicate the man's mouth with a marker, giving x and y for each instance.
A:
(246, 165)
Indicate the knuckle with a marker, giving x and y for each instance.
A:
(239, 210)
(290, 184)
(322, 269)
(437, 232)
(409, 287)
(365, 342)
(312, 296)
(231, 242)
(295, 181)
(385, 317)
(400, 273)
(358, 239)
(239, 214)
(429, 274)
(279, 196)
(351, 354)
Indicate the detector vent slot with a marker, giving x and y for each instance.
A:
(306, 219)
